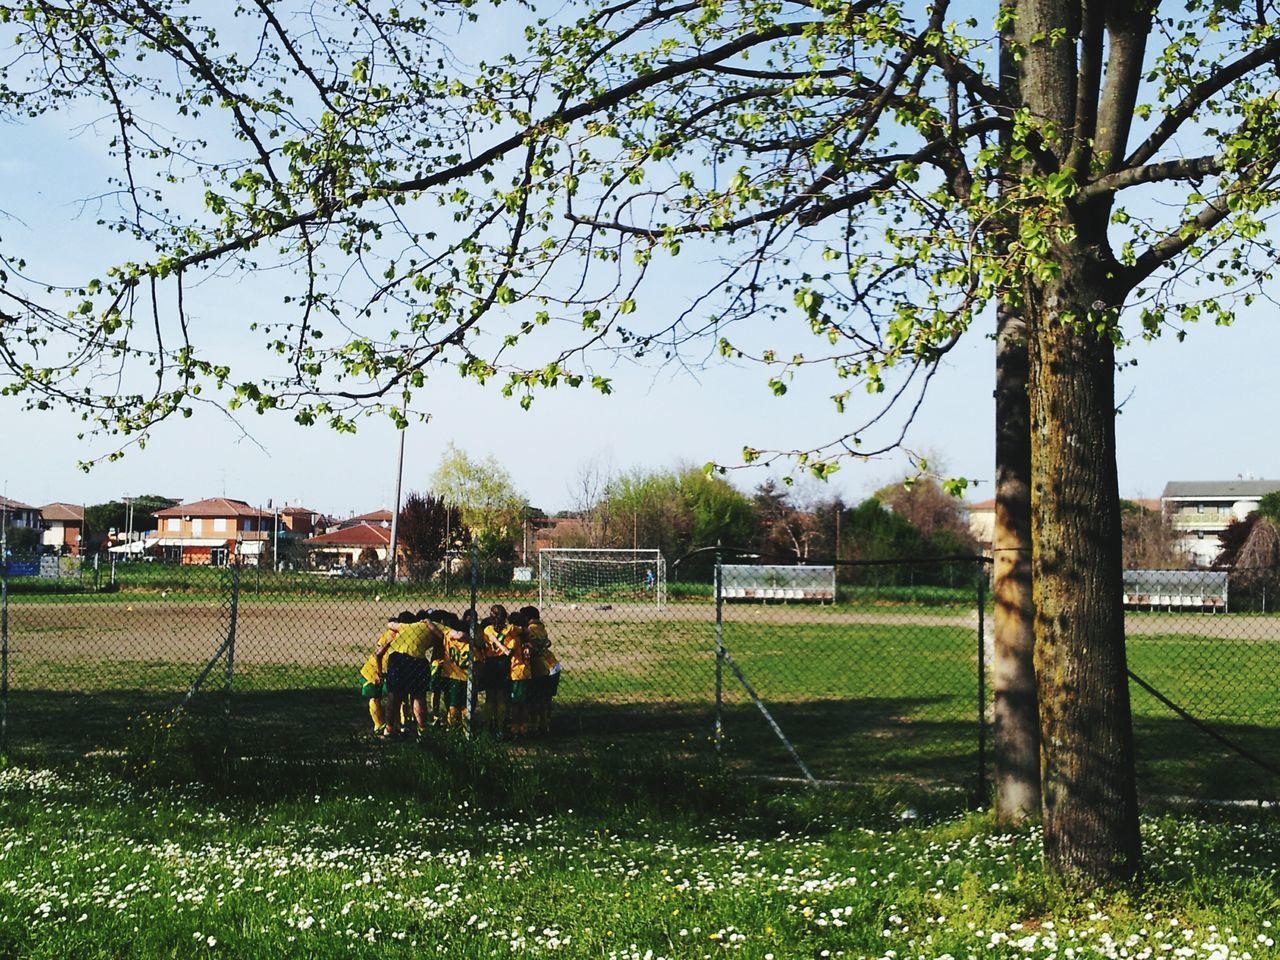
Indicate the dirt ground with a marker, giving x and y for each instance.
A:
(339, 633)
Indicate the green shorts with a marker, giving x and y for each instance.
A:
(455, 694)
(521, 691)
(439, 682)
(372, 691)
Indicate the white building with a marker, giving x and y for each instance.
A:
(1201, 509)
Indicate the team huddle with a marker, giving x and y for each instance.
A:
(431, 654)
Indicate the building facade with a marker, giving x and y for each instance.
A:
(63, 528)
(1199, 510)
(212, 532)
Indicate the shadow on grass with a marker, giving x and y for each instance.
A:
(869, 741)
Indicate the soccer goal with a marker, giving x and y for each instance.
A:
(601, 576)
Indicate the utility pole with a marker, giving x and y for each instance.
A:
(393, 559)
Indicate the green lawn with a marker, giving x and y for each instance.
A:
(860, 702)
(444, 849)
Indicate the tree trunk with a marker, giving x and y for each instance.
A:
(1016, 730)
(1088, 784)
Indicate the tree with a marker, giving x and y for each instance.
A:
(428, 529)
(878, 176)
(677, 511)
(101, 518)
(486, 498)
(591, 504)
(1149, 540)
(923, 503)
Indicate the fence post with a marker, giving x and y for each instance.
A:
(471, 640)
(982, 682)
(719, 582)
(4, 652)
(231, 632)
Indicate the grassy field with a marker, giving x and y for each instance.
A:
(887, 694)
(451, 849)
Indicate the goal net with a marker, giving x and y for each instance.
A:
(601, 576)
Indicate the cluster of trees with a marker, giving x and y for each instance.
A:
(122, 516)
(475, 503)
(682, 509)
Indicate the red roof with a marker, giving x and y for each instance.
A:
(358, 535)
(63, 512)
(14, 504)
(982, 505)
(377, 516)
(213, 507)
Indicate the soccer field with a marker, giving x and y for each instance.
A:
(861, 693)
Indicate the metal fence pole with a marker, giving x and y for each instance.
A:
(231, 633)
(471, 639)
(719, 728)
(982, 682)
(4, 653)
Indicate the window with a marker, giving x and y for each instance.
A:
(173, 525)
(197, 526)
(220, 524)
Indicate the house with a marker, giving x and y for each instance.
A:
(982, 524)
(63, 527)
(1201, 509)
(299, 521)
(16, 514)
(212, 532)
(378, 518)
(343, 547)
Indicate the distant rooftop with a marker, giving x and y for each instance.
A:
(64, 512)
(1220, 488)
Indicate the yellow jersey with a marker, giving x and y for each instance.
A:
(499, 642)
(457, 656)
(415, 639)
(545, 663)
(521, 658)
(370, 671)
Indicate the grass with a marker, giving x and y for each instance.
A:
(864, 692)
(468, 850)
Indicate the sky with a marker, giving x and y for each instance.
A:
(1191, 410)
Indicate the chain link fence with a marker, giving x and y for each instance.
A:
(853, 672)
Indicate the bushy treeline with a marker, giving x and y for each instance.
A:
(683, 509)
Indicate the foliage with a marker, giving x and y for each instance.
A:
(788, 528)
(428, 529)
(101, 518)
(483, 491)
(1269, 506)
(937, 514)
(21, 539)
(1232, 538)
(339, 151)
(369, 564)
(1150, 541)
(676, 510)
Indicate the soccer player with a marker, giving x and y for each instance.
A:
(408, 669)
(521, 675)
(373, 685)
(545, 669)
(459, 655)
(499, 636)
